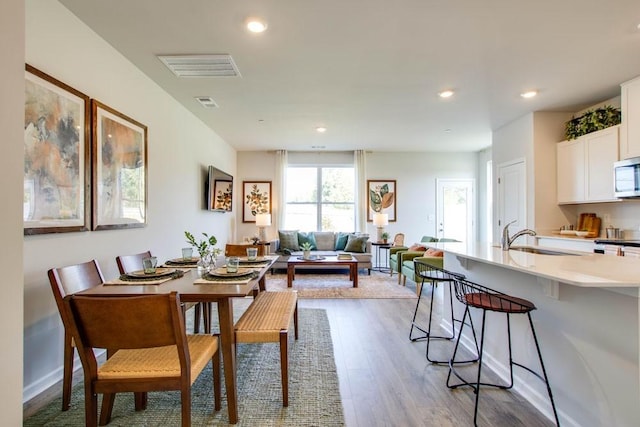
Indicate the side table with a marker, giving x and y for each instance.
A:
(381, 266)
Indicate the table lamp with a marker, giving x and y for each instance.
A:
(263, 220)
(380, 220)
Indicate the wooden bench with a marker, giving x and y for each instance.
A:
(267, 320)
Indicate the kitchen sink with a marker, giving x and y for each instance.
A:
(540, 251)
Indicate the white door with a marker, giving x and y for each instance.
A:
(512, 197)
(455, 209)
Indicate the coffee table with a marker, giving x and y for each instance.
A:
(295, 261)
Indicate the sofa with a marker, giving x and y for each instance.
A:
(324, 243)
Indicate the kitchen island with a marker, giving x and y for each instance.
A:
(587, 320)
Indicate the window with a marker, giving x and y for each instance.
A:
(320, 198)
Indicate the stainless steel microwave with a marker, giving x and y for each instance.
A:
(626, 178)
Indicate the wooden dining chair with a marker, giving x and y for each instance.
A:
(66, 281)
(129, 263)
(241, 250)
(152, 355)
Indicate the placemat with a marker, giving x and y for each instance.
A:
(128, 280)
(208, 279)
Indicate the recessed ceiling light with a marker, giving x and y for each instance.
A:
(256, 25)
(529, 94)
(446, 94)
(321, 129)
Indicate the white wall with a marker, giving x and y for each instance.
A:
(11, 171)
(415, 175)
(179, 149)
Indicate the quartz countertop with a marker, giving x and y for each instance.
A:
(580, 269)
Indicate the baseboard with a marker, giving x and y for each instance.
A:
(43, 384)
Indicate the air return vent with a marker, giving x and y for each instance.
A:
(201, 65)
(207, 101)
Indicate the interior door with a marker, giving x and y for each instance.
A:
(455, 209)
(512, 197)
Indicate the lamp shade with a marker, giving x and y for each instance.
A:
(263, 220)
(380, 219)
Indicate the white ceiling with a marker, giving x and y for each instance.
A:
(370, 70)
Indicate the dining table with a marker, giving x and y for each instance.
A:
(191, 287)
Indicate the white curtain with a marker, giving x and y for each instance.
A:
(360, 166)
(282, 162)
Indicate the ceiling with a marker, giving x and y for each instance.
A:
(370, 70)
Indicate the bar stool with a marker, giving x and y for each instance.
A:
(435, 275)
(486, 299)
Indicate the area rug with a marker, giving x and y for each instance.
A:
(323, 285)
(314, 394)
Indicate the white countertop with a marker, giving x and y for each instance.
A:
(586, 269)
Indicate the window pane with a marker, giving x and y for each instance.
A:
(302, 217)
(338, 185)
(302, 184)
(338, 217)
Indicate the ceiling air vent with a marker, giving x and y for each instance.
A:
(207, 101)
(201, 65)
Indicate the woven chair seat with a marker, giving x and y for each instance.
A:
(266, 317)
(159, 361)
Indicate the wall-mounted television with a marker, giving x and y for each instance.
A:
(219, 190)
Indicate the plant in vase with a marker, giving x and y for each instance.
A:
(306, 250)
(206, 249)
(385, 237)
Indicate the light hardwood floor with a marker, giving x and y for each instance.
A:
(385, 379)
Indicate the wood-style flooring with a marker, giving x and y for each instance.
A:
(385, 379)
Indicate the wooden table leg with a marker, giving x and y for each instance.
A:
(290, 268)
(227, 338)
(354, 272)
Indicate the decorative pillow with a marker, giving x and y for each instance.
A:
(356, 244)
(307, 238)
(288, 240)
(434, 252)
(325, 240)
(417, 248)
(341, 241)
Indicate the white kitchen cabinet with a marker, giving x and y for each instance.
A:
(585, 167)
(630, 128)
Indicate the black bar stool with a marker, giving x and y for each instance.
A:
(486, 299)
(435, 275)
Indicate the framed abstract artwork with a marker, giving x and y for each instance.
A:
(381, 198)
(256, 199)
(57, 146)
(119, 163)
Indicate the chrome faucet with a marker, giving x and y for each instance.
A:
(507, 241)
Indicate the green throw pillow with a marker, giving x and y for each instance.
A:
(356, 244)
(307, 238)
(288, 240)
(341, 241)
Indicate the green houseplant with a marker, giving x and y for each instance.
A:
(592, 121)
(206, 249)
(306, 250)
(384, 236)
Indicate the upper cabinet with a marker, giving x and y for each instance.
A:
(630, 128)
(585, 167)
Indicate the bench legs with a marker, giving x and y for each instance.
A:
(284, 367)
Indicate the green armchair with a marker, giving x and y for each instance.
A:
(398, 254)
(408, 269)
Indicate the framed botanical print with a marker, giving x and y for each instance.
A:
(119, 161)
(381, 198)
(57, 146)
(222, 195)
(256, 199)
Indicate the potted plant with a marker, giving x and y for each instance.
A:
(306, 250)
(206, 249)
(385, 237)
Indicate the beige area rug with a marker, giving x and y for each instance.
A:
(338, 285)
